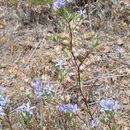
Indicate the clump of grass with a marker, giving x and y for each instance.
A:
(36, 2)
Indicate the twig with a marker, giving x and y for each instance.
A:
(120, 61)
(32, 53)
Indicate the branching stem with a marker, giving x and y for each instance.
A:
(77, 66)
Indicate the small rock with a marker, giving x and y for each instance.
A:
(125, 102)
(128, 92)
(22, 88)
(120, 42)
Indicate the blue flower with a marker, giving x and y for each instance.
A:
(109, 105)
(104, 104)
(81, 13)
(3, 89)
(120, 51)
(59, 4)
(27, 108)
(74, 108)
(49, 89)
(98, 89)
(60, 65)
(1, 111)
(1, 97)
(94, 123)
(97, 76)
(69, 1)
(116, 106)
(63, 108)
(4, 101)
(39, 94)
(38, 84)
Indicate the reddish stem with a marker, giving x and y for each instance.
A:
(84, 58)
(93, 84)
(86, 94)
(78, 67)
(74, 65)
(67, 83)
(70, 83)
(95, 110)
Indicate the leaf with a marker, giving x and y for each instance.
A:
(45, 103)
(26, 116)
(103, 121)
(72, 125)
(113, 128)
(81, 82)
(76, 16)
(54, 38)
(62, 35)
(110, 115)
(70, 17)
(60, 77)
(66, 41)
(69, 115)
(30, 96)
(89, 93)
(95, 42)
(61, 11)
(90, 35)
(65, 73)
(67, 52)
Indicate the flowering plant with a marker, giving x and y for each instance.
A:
(26, 113)
(69, 112)
(72, 108)
(109, 107)
(4, 101)
(46, 92)
(43, 91)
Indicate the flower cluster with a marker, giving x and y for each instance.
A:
(72, 108)
(109, 105)
(3, 104)
(49, 89)
(26, 108)
(60, 3)
(42, 91)
(3, 101)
